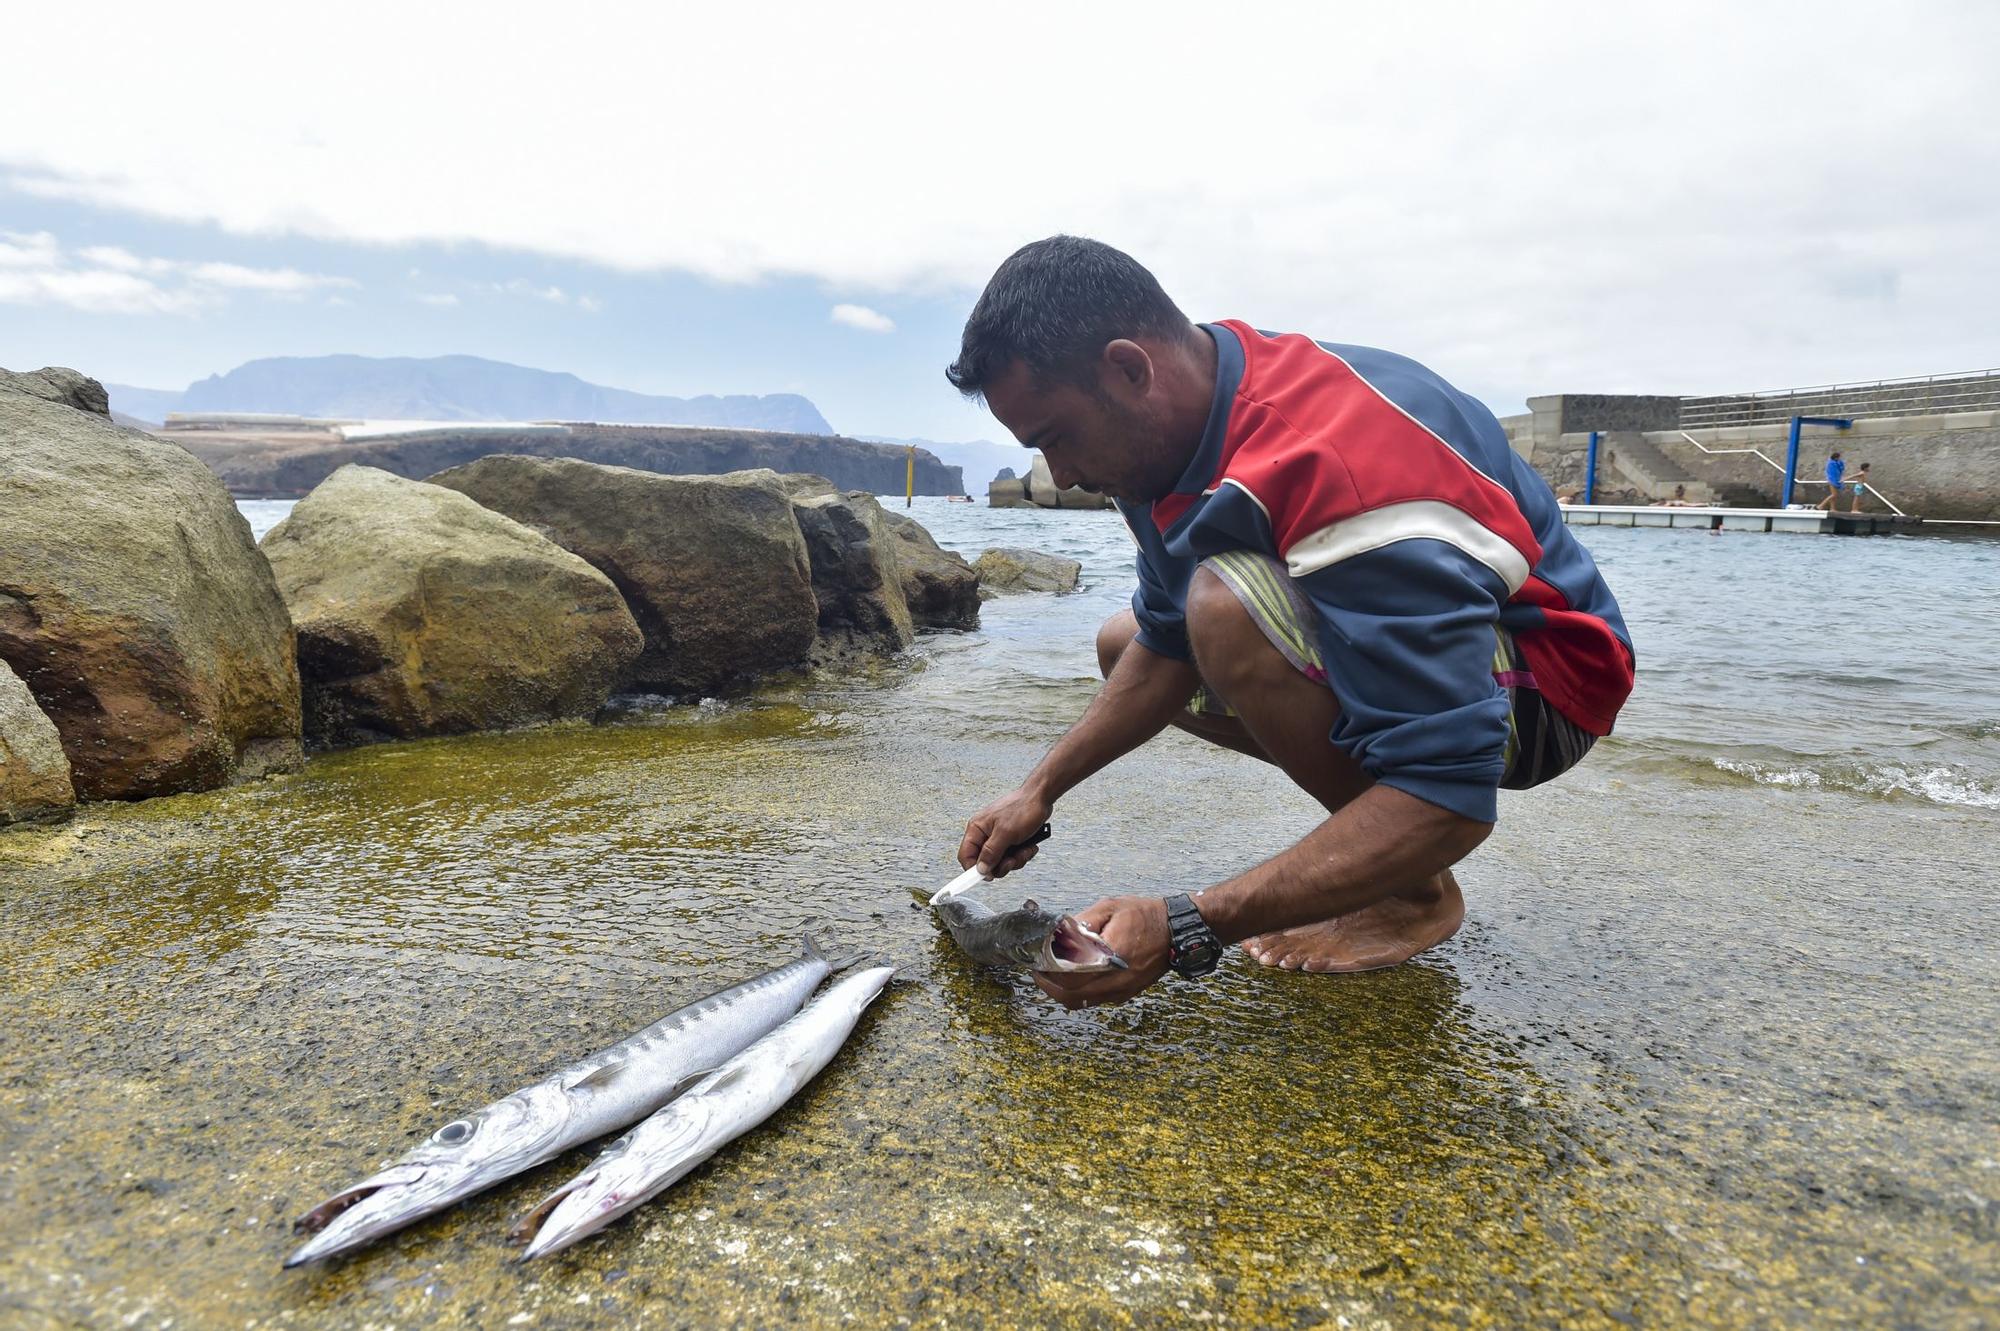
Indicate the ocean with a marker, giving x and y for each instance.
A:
(1714, 1047)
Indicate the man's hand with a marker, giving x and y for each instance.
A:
(1007, 821)
(1136, 929)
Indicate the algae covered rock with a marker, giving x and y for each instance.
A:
(34, 774)
(421, 613)
(134, 604)
(941, 588)
(715, 571)
(1005, 569)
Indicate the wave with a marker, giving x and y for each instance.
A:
(1937, 784)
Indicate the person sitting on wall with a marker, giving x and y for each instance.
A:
(1835, 469)
(1343, 570)
(1680, 499)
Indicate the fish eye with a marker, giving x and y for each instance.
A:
(451, 1134)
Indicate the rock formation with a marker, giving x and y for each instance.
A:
(281, 463)
(421, 613)
(1043, 492)
(942, 590)
(34, 774)
(716, 573)
(857, 580)
(1005, 569)
(133, 603)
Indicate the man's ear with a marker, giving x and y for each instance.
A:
(1126, 365)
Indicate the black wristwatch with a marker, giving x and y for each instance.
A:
(1192, 947)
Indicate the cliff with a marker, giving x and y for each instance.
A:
(283, 468)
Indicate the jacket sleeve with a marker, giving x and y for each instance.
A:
(1408, 636)
(1162, 619)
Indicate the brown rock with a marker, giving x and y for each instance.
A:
(941, 588)
(715, 571)
(34, 774)
(421, 613)
(1005, 569)
(134, 605)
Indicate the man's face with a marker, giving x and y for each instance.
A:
(1108, 442)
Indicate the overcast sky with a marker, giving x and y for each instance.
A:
(759, 198)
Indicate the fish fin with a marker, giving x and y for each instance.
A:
(730, 1076)
(813, 953)
(1031, 904)
(598, 1076)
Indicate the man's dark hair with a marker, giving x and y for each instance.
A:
(1834, 454)
(1053, 306)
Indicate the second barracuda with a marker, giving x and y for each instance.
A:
(601, 1094)
(739, 1095)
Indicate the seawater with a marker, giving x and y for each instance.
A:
(1713, 1049)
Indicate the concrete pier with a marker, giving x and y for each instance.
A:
(1803, 520)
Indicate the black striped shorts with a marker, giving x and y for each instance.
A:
(1541, 741)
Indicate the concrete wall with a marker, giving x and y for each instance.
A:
(1931, 466)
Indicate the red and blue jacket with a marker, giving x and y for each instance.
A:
(1400, 511)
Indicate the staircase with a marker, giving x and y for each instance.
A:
(1654, 474)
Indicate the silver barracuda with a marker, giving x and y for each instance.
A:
(605, 1092)
(715, 1111)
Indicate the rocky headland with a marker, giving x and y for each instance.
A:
(272, 460)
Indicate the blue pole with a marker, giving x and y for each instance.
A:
(1791, 463)
(1590, 470)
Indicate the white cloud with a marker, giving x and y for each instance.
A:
(521, 286)
(1548, 196)
(105, 279)
(589, 304)
(442, 299)
(867, 320)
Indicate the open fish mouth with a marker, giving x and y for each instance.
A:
(362, 1213)
(1075, 946)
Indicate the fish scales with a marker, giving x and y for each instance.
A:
(724, 1105)
(584, 1100)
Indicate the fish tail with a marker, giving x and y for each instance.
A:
(813, 953)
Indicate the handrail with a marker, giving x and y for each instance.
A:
(1930, 395)
(1796, 480)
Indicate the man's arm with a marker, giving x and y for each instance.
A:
(1385, 840)
(1145, 692)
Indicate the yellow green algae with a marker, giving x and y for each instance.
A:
(1640, 1088)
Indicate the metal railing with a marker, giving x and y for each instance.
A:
(1929, 395)
(1779, 467)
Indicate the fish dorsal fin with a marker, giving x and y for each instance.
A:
(1031, 904)
(728, 1076)
(602, 1075)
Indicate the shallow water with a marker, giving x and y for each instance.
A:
(1713, 1049)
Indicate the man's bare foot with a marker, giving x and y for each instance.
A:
(1387, 933)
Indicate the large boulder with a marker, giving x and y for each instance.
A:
(64, 387)
(715, 572)
(421, 613)
(1005, 569)
(34, 773)
(941, 588)
(133, 602)
(856, 579)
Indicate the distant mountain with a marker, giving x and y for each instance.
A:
(148, 404)
(980, 459)
(455, 388)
